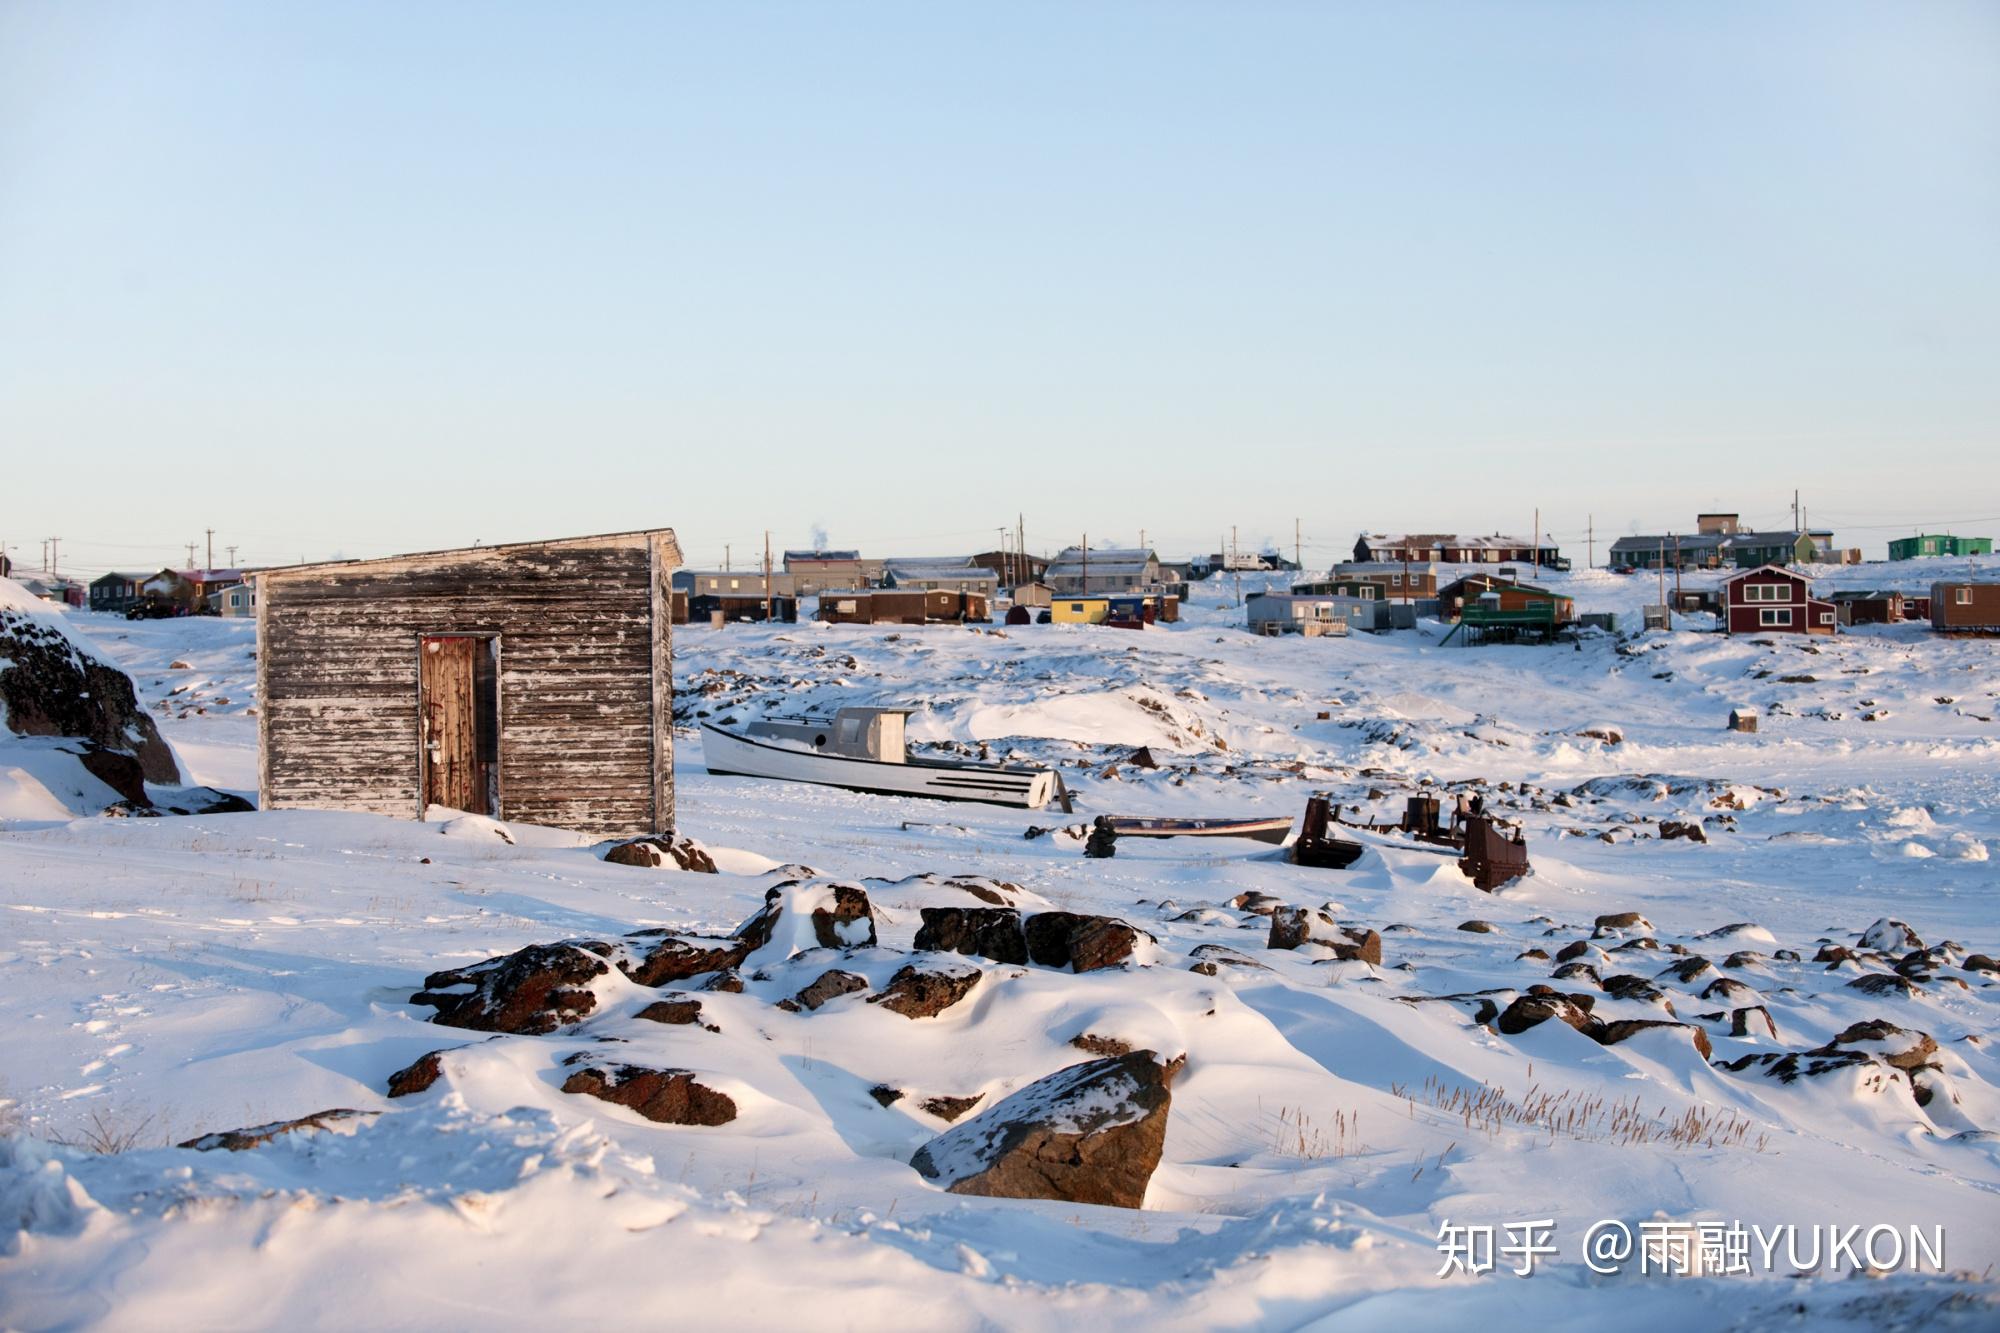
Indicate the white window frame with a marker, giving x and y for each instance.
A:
(1961, 597)
(1774, 617)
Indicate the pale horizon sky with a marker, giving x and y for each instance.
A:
(355, 279)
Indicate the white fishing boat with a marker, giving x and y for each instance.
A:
(864, 749)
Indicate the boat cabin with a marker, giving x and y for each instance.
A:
(852, 733)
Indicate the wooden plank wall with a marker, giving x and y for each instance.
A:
(584, 674)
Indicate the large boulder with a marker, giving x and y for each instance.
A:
(1900, 1048)
(669, 1096)
(656, 958)
(534, 990)
(926, 992)
(53, 684)
(819, 914)
(650, 852)
(1539, 1006)
(1890, 936)
(986, 932)
(1084, 943)
(1091, 1133)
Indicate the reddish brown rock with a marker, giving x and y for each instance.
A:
(984, 932)
(648, 853)
(668, 1096)
(654, 959)
(849, 923)
(919, 992)
(1091, 1133)
(674, 1013)
(829, 985)
(534, 990)
(1085, 943)
(949, 1109)
(1618, 1029)
(418, 1075)
(1098, 1045)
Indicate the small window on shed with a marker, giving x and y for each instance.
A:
(1962, 596)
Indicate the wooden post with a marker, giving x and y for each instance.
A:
(767, 576)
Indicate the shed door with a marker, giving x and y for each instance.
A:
(455, 775)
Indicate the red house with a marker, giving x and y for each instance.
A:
(1774, 600)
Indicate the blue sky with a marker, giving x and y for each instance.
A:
(356, 278)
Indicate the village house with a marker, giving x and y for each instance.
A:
(1032, 595)
(903, 606)
(115, 592)
(1078, 572)
(1275, 613)
(238, 599)
(1013, 566)
(1938, 543)
(1965, 606)
(817, 571)
(1452, 549)
(530, 681)
(1869, 607)
(1773, 599)
(1723, 546)
(1417, 582)
(940, 574)
(56, 588)
(737, 583)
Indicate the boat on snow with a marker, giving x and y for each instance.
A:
(865, 749)
(1272, 831)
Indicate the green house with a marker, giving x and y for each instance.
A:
(1938, 543)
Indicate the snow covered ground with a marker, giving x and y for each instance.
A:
(164, 978)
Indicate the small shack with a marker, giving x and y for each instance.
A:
(1965, 607)
(530, 682)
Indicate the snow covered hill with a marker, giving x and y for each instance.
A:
(165, 979)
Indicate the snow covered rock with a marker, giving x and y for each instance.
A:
(656, 958)
(925, 992)
(1900, 1048)
(52, 684)
(829, 985)
(683, 1012)
(256, 1136)
(668, 1096)
(418, 1075)
(1611, 921)
(646, 853)
(987, 932)
(820, 914)
(1890, 936)
(1539, 1006)
(1091, 1133)
(533, 990)
(1623, 1029)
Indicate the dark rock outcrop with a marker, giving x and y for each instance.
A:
(256, 1136)
(985, 932)
(669, 1096)
(51, 686)
(1619, 1029)
(1532, 1010)
(1091, 1133)
(418, 1075)
(646, 853)
(674, 1013)
(829, 985)
(921, 992)
(533, 990)
(1085, 943)
(656, 959)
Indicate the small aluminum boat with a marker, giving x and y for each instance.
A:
(864, 749)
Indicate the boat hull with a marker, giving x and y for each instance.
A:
(727, 754)
(1273, 831)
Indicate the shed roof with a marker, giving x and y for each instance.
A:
(674, 551)
(1433, 540)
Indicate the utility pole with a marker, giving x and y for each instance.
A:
(1297, 558)
(55, 555)
(1536, 558)
(1663, 583)
(1021, 545)
(190, 563)
(767, 576)
(1086, 565)
(45, 555)
(1677, 569)
(1795, 511)
(1236, 564)
(232, 555)
(211, 550)
(725, 557)
(1142, 539)
(1590, 557)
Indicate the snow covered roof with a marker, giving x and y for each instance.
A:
(1435, 540)
(797, 557)
(1109, 560)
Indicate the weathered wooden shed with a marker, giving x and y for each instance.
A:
(530, 682)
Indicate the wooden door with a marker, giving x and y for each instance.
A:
(452, 772)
